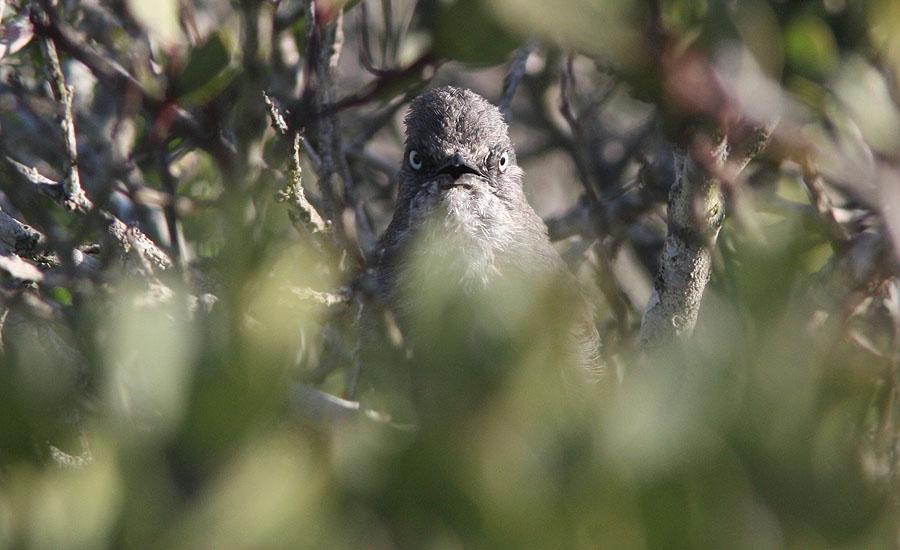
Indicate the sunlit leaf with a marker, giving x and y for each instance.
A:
(160, 17)
(15, 35)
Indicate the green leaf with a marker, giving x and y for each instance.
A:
(810, 47)
(608, 29)
(209, 69)
(61, 295)
(464, 30)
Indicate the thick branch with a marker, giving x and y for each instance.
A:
(19, 237)
(696, 212)
(695, 216)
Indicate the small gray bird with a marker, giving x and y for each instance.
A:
(460, 179)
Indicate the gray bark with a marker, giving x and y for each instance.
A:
(696, 211)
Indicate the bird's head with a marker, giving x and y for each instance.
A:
(458, 152)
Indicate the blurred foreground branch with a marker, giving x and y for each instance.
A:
(326, 410)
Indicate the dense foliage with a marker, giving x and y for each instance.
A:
(192, 355)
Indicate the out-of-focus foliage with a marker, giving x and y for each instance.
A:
(194, 406)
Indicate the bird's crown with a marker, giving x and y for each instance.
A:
(448, 119)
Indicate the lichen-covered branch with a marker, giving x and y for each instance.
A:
(74, 198)
(130, 237)
(19, 237)
(127, 236)
(696, 212)
(302, 213)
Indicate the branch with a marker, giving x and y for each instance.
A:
(19, 237)
(419, 71)
(326, 410)
(513, 77)
(329, 41)
(17, 268)
(818, 196)
(302, 213)
(113, 76)
(704, 178)
(618, 214)
(328, 299)
(577, 221)
(128, 237)
(75, 198)
(275, 115)
(696, 212)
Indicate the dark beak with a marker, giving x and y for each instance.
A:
(457, 167)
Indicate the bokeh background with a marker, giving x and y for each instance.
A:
(190, 359)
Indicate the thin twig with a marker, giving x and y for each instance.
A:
(113, 76)
(327, 299)
(75, 199)
(326, 410)
(275, 115)
(567, 84)
(818, 196)
(514, 76)
(304, 215)
(422, 69)
(760, 138)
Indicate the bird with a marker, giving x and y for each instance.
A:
(461, 210)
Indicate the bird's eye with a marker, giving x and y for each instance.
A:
(503, 163)
(415, 160)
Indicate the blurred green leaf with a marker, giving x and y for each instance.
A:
(867, 97)
(62, 295)
(758, 27)
(466, 31)
(69, 508)
(883, 18)
(609, 29)
(160, 17)
(148, 359)
(208, 71)
(810, 47)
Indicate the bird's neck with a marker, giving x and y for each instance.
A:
(471, 243)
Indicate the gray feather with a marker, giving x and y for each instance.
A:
(483, 214)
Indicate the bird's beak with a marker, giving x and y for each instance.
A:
(456, 167)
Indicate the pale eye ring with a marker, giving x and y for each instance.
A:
(503, 163)
(415, 160)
